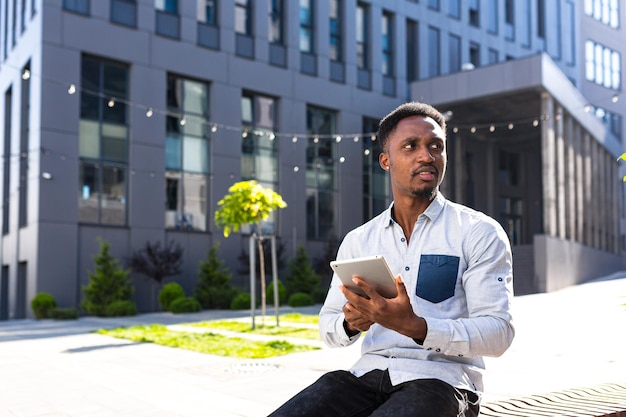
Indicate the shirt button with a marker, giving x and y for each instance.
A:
(429, 349)
(437, 350)
(403, 240)
(406, 268)
(460, 355)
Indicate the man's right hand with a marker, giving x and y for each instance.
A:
(354, 322)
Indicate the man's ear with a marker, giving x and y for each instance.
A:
(383, 160)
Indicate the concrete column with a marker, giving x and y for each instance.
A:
(588, 210)
(561, 216)
(579, 184)
(595, 206)
(570, 178)
(548, 154)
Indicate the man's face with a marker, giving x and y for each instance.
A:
(416, 157)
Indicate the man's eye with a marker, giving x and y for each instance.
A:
(408, 146)
(436, 146)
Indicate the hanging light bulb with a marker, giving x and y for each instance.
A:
(316, 139)
(373, 137)
(111, 103)
(511, 126)
(587, 108)
(535, 123)
(615, 98)
(272, 136)
(473, 129)
(492, 128)
(366, 152)
(455, 129)
(356, 139)
(244, 134)
(26, 74)
(296, 168)
(149, 112)
(183, 121)
(342, 159)
(338, 138)
(294, 139)
(214, 128)
(71, 89)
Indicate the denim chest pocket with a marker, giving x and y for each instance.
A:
(436, 278)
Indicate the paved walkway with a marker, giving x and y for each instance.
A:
(566, 339)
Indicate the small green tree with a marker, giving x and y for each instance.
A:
(213, 289)
(248, 202)
(108, 283)
(301, 277)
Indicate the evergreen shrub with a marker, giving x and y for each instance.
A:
(65, 313)
(121, 308)
(41, 304)
(300, 299)
(241, 301)
(169, 293)
(185, 305)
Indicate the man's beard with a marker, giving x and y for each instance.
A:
(425, 193)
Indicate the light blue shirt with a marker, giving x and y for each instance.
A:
(457, 269)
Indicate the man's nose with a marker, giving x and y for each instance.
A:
(425, 155)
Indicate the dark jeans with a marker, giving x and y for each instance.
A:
(341, 394)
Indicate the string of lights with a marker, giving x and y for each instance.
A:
(214, 126)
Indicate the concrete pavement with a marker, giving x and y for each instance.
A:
(566, 339)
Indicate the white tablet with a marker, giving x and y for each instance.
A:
(372, 269)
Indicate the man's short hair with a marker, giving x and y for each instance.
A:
(389, 123)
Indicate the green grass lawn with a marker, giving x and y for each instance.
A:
(215, 344)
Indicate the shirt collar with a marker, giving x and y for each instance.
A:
(431, 213)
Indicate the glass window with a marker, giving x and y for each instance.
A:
(412, 51)
(541, 19)
(103, 142)
(434, 52)
(336, 47)
(602, 65)
(511, 217)
(474, 13)
(243, 17)
(454, 8)
(376, 186)
(474, 54)
(276, 21)
(77, 6)
(492, 16)
(492, 56)
(387, 44)
(454, 51)
(124, 12)
(605, 11)
(306, 26)
(433, 4)
(186, 154)
(169, 6)
(207, 11)
(509, 19)
(321, 173)
(259, 147)
(362, 40)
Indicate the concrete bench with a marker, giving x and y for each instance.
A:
(605, 400)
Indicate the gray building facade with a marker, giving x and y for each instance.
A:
(128, 121)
